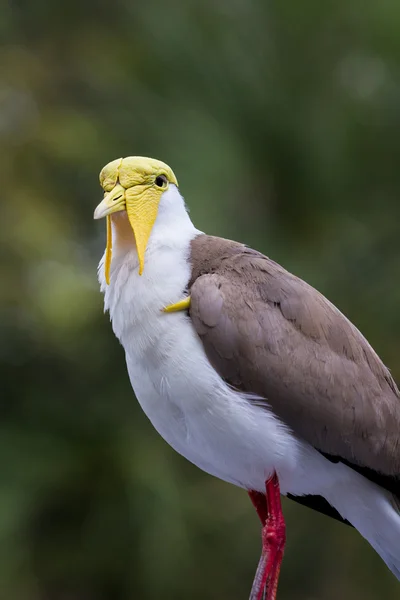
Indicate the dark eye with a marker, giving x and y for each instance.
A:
(161, 181)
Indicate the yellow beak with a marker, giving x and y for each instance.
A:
(113, 202)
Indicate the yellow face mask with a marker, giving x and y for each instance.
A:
(134, 184)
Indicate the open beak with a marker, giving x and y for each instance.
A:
(113, 202)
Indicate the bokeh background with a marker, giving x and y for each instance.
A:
(282, 121)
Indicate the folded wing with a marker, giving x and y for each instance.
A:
(267, 332)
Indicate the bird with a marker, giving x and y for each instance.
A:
(246, 370)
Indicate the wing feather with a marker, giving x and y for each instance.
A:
(269, 333)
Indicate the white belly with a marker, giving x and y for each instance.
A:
(198, 414)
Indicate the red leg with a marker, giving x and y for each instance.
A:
(259, 501)
(274, 535)
(269, 510)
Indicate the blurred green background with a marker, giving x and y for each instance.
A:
(281, 120)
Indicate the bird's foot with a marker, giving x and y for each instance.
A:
(181, 305)
(269, 510)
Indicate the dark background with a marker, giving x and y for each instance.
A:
(281, 120)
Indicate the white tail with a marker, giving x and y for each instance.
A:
(373, 511)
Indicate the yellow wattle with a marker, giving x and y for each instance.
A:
(142, 208)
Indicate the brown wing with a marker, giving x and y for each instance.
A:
(268, 332)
